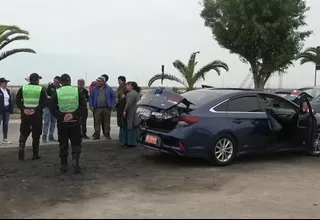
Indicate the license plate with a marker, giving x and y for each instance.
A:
(151, 139)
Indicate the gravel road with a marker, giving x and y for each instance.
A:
(137, 183)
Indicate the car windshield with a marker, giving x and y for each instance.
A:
(200, 97)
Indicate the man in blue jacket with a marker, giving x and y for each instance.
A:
(102, 100)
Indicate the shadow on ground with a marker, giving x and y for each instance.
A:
(29, 185)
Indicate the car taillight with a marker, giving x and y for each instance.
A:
(181, 145)
(188, 120)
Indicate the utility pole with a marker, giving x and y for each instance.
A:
(317, 66)
(162, 74)
(280, 80)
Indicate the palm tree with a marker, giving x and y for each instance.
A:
(9, 34)
(311, 54)
(190, 77)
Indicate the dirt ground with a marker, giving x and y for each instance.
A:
(137, 183)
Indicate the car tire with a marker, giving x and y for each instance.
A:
(316, 150)
(219, 157)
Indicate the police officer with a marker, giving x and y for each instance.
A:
(31, 100)
(67, 104)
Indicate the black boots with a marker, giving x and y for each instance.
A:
(21, 151)
(75, 165)
(35, 155)
(64, 165)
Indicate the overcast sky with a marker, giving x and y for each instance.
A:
(130, 38)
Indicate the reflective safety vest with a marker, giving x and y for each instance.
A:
(68, 99)
(31, 95)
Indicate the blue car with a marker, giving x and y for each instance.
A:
(221, 124)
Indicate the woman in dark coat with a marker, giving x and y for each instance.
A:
(130, 128)
(121, 103)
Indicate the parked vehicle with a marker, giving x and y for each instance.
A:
(294, 95)
(220, 124)
(287, 92)
(313, 91)
(296, 98)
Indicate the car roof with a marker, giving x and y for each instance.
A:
(221, 94)
(230, 92)
(226, 91)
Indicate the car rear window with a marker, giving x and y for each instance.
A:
(200, 97)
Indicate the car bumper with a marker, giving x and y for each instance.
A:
(171, 145)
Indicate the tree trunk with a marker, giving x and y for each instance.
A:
(258, 80)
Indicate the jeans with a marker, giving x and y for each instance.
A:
(49, 120)
(4, 118)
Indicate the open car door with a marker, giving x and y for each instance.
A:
(296, 99)
(306, 125)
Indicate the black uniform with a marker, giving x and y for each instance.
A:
(31, 123)
(68, 130)
(84, 113)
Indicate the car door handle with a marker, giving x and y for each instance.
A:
(237, 121)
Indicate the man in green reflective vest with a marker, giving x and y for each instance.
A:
(67, 104)
(31, 99)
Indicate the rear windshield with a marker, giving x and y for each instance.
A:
(200, 97)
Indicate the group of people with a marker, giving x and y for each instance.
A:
(66, 106)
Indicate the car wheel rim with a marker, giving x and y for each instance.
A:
(316, 145)
(223, 150)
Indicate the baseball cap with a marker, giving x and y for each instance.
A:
(4, 80)
(101, 79)
(65, 77)
(34, 77)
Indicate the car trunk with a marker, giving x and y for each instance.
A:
(161, 110)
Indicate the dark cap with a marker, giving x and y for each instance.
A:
(101, 79)
(57, 78)
(106, 77)
(65, 78)
(4, 80)
(34, 77)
